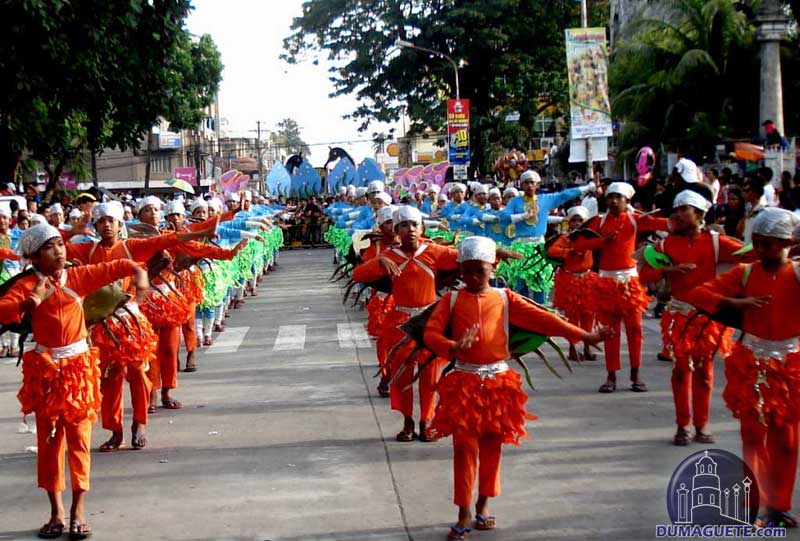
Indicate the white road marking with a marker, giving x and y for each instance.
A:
(352, 335)
(228, 342)
(290, 337)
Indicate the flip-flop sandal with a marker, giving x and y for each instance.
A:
(383, 391)
(112, 445)
(404, 436)
(190, 368)
(639, 387)
(607, 387)
(51, 531)
(171, 404)
(487, 522)
(139, 441)
(458, 533)
(427, 436)
(79, 530)
(782, 519)
(151, 408)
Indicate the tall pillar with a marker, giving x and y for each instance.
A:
(772, 27)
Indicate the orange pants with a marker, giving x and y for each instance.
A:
(691, 390)
(164, 371)
(112, 386)
(189, 330)
(633, 331)
(403, 401)
(50, 458)
(771, 452)
(471, 455)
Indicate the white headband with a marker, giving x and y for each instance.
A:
(480, 189)
(34, 238)
(530, 176)
(511, 191)
(406, 213)
(385, 214)
(199, 204)
(113, 209)
(693, 199)
(147, 201)
(361, 191)
(477, 249)
(385, 197)
(578, 210)
(457, 187)
(174, 207)
(376, 186)
(687, 169)
(621, 188)
(434, 188)
(495, 191)
(775, 222)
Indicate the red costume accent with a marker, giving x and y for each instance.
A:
(763, 373)
(574, 283)
(622, 298)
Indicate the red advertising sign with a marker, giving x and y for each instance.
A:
(189, 174)
(458, 131)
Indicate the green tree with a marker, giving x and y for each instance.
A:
(291, 137)
(83, 76)
(512, 54)
(685, 75)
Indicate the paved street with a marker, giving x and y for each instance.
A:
(282, 437)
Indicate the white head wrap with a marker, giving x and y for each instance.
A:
(621, 188)
(480, 189)
(215, 204)
(174, 207)
(5, 212)
(578, 210)
(511, 191)
(55, 208)
(75, 213)
(361, 191)
(530, 176)
(688, 170)
(406, 213)
(37, 219)
(473, 185)
(477, 249)
(199, 204)
(351, 190)
(693, 199)
(495, 191)
(112, 208)
(376, 186)
(147, 201)
(34, 238)
(342, 190)
(775, 222)
(385, 214)
(385, 197)
(434, 188)
(443, 197)
(248, 195)
(457, 187)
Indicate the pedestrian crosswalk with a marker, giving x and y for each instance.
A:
(349, 335)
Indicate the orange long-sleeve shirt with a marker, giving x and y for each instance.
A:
(375, 249)
(58, 320)
(778, 320)
(616, 255)
(205, 224)
(486, 309)
(6, 253)
(574, 260)
(201, 249)
(416, 285)
(699, 251)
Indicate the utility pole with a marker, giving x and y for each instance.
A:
(260, 157)
(589, 164)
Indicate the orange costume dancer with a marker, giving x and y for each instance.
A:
(191, 283)
(763, 371)
(412, 268)
(618, 296)
(691, 340)
(125, 356)
(61, 375)
(380, 303)
(482, 403)
(575, 281)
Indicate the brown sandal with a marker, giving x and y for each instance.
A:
(51, 531)
(79, 530)
(112, 445)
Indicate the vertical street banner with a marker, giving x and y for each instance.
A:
(458, 132)
(587, 67)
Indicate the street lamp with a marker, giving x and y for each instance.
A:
(403, 43)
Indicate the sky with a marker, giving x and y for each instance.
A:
(258, 85)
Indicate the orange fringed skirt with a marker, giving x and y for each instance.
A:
(698, 339)
(612, 299)
(475, 406)
(573, 293)
(165, 307)
(775, 402)
(191, 286)
(378, 306)
(67, 388)
(133, 341)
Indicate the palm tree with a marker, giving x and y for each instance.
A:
(684, 75)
